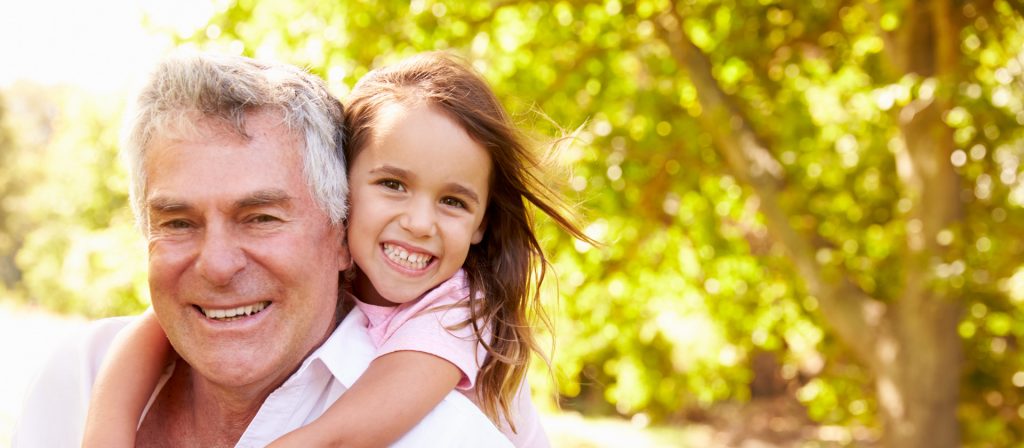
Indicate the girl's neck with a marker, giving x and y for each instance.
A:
(363, 289)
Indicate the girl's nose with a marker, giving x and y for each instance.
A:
(420, 219)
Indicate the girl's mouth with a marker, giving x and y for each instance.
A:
(402, 257)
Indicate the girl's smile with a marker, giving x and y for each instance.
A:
(416, 261)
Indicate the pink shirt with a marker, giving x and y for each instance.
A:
(424, 325)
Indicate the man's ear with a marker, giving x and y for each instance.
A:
(344, 256)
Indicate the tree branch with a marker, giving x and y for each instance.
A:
(854, 315)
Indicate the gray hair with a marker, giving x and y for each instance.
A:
(186, 89)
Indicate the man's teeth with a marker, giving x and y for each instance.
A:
(404, 258)
(234, 313)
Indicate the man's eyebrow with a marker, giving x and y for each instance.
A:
(259, 198)
(167, 205)
(263, 198)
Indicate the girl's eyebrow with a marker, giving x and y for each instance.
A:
(394, 171)
(463, 190)
(400, 173)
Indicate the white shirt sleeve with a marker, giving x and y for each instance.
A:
(455, 422)
(54, 410)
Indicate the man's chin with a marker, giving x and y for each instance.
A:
(242, 376)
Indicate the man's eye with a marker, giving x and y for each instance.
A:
(391, 184)
(176, 224)
(263, 219)
(453, 202)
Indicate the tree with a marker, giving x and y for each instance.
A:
(907, 336)
(8, 273)
(909, 341)
(65, 209)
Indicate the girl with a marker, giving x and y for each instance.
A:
(447, 265)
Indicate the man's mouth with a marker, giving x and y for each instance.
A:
(229, 314)
(404, 258)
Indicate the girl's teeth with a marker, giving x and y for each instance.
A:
(404, 258)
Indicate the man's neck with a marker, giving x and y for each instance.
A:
(192, 412)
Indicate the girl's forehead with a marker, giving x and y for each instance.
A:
(393, 114)
(428, 143)
(419, 120)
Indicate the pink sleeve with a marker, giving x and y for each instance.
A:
(418, 326)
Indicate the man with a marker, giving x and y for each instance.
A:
(239, 186)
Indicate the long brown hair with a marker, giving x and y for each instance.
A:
(508, 265)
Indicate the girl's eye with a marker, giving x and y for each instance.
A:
(453, 202)
(392, 184)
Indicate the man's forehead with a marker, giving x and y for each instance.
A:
(184, 129)
(217, 162)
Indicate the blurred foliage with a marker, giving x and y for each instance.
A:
(64, 210)
(690, 291)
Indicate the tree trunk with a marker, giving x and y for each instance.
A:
(911, 344)
(924, 374)
(918, 386)
(917, 378)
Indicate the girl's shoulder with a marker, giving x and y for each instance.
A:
(442, 312)
(452, 291)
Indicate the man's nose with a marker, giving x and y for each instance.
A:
(220, 257)
(420, 218)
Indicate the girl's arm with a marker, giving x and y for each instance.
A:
(127, 378)
(396, 391)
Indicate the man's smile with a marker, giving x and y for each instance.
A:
(230, 314)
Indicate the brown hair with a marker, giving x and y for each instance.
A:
(508, 265)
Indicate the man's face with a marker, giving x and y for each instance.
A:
(243, 266)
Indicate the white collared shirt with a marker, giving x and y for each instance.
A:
(57, 404)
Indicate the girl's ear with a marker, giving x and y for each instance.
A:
(478, 236)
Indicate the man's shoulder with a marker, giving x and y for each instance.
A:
(54, 409)
(455, 422)
(94, 340)
(83, 351)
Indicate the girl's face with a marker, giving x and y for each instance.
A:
(419, 191)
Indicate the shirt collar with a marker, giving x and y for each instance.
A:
(346, 353)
